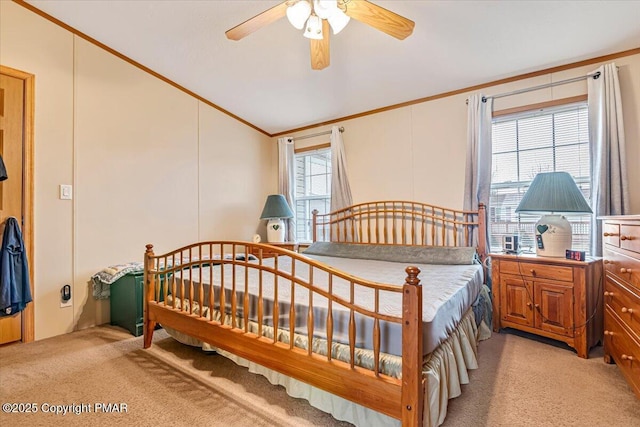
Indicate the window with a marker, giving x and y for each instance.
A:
(524, 144)
(313, 189)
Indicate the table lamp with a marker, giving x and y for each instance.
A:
(553, 194)
(274, 210)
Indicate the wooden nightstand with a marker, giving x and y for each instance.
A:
(553, 297)
(266, 253)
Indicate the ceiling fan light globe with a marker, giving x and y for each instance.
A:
(314, 28)
(325, 8)
(338, 21)
(298, 13)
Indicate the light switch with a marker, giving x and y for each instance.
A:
(66, 192)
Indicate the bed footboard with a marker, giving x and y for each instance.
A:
(216, 292)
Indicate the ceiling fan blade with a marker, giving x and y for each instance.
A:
(380, 18)
(253, 24)
(320, 49)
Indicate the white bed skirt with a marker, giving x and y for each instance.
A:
(445, 370)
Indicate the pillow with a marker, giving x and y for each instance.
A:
(447, 255)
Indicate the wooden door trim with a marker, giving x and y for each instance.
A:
(28, 314)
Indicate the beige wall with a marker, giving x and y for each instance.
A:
(418, 152)
(149, 164)
(241, 174)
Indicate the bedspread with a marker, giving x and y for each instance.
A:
(448, 293)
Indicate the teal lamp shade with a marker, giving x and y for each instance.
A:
(553, 194)
(276, 207)
(274, 210)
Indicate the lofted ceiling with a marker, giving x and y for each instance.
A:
(266, 78)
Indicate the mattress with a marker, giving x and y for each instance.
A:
(448, 292)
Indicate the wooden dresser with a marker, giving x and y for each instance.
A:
(556, 298)
(621, 252)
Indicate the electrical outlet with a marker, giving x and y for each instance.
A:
(65, 296)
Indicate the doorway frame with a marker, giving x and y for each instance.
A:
(28, 314)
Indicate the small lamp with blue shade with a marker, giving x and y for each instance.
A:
(275, 209)
(553, 194)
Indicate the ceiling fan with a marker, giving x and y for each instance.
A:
(319, 16)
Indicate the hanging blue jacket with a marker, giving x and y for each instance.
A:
(15, 290)
(3, 170)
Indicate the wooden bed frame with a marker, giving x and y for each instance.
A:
(389, 223)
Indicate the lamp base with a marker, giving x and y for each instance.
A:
(275, 230)
(553, 236)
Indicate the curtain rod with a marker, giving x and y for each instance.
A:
(595, 75)
(341, 129)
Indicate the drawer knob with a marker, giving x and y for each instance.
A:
(608, 294)
(529, 304)
(537, 305)
(627, 310)
(626, 237)
(608, 333)
(625, 270)
(533, 272)
(608, 261)
(625, 357)
(609, 234)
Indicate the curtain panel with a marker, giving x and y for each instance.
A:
(477, 187)
(340, 188)
(287, 181)
(610, 185)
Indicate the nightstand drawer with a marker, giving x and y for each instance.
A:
(268, 250)
(623, 302)
(537, 271)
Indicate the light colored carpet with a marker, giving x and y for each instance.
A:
(521, 382)
(526, 380)
(108, 365)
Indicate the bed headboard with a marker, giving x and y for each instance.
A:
(402, 223)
